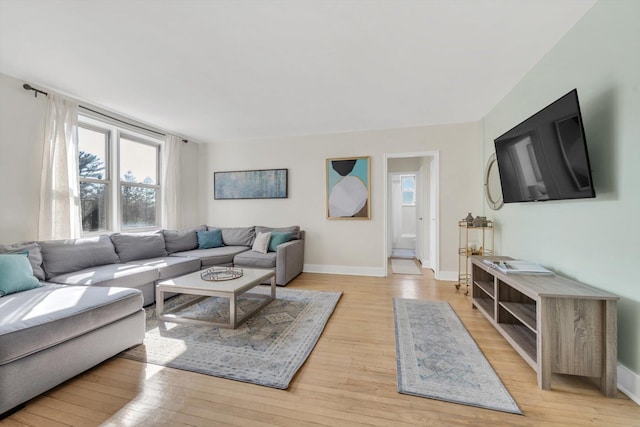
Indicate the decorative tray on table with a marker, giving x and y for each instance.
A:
(217, 274)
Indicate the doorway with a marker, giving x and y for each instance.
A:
(402, 210)
(411, 208)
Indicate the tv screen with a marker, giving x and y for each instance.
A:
(545, 157)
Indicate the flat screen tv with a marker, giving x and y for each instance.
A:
(545, 157)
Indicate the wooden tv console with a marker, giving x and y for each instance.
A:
(556, 324)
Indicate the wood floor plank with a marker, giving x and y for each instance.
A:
(349, 379)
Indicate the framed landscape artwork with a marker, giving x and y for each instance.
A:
(349, 188)
(251, 184)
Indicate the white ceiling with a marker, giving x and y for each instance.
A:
(234, 70)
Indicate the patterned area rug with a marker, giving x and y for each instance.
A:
(268, 349)
(438, 359)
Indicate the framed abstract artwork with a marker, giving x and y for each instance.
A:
(349, 188)
(251, 184)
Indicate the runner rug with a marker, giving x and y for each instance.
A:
(438, 359)
(268, 349)
(404, 266)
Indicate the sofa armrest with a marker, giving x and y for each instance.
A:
(289, 261)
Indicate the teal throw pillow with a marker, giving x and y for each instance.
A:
(278, 238)
(16, 274)
(210, 239)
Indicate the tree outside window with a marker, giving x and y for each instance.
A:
(93, 146)
(138, 183)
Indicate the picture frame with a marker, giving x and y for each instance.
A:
(251, 184)
(348, 184)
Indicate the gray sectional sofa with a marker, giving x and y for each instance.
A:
(140, 260)
(89, 306)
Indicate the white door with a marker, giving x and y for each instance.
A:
(419, 215)
(433, 216)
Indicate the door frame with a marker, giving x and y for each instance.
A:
(433, 187)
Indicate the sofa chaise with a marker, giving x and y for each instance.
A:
(54, 332)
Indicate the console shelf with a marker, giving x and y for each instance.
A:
(557, 325)
(525, 313)
(487, 287)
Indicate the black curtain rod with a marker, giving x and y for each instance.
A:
(27, 86)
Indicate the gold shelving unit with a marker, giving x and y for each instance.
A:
(472, 240)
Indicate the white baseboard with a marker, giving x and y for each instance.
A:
(344, 269)
(450, 276)
(629, 383)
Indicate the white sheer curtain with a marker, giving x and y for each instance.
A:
(59, 216)
(170, 183)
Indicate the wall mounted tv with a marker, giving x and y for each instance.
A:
(545, 157)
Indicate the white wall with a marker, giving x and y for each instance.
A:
(403, 164)
(595, 240)
(21, 144)
(346, 246)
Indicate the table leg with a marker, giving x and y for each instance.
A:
(232, 311)
(609, 380)
(159, 303)
(273, 286)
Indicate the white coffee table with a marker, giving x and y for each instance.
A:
(193, 284)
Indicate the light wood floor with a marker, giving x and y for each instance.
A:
(348, 380)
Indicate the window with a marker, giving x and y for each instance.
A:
(138, 182)
(408, 185)
(119, 178)
(93, 165)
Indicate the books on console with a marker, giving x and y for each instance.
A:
(518, 267)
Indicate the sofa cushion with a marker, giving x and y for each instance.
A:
(35, 255)
(64, 256)
(170, 266)
(237, 236)
(181, 240)
(294, 230)
(210, 239)
(16, 274)
(261, 243)
(125, 275)
(214, 256)
(133, 246)
(254, 259)
(278, 238)
(43, 317)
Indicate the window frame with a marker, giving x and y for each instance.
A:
(114, 203)
(403, 191)
(121, 183)
(107, 181)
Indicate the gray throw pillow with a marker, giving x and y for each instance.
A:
(237, 236)
(35, 255)
(182, 240)
(65, 256)
(134, 246)
(294, 230)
